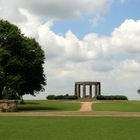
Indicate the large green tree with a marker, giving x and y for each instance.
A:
(21, 63)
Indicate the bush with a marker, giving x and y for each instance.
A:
(59, 97)
(51, 97)
(62, 97)
(70, 97)
(111, 97)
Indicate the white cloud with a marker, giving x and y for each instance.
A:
(100, 58)
(113, 60)
(9, 10)
(92, 58)
(63, 9)
(56, 9)
(126, 38)
(129, 66)
(52, 9)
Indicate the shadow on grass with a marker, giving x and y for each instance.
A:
(35, 106)
(39, 109)
(29, 103)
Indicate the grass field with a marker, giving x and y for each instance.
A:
(45, 105)
(69, 128)
(124, 106)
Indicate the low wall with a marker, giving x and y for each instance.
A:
(8, 105)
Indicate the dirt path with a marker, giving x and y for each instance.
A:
(76, 113)
(86, 106)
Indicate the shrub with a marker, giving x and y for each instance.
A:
(62, 97)
(111, 97)
(51, 97)
(70, 97)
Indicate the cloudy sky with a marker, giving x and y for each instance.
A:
(83, 40)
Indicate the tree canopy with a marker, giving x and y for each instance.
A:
(21, 62)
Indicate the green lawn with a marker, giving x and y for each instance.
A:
(45, 105)
(124, 106)
(69, 128)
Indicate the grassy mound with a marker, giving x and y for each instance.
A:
(124, 106)
(44, 105)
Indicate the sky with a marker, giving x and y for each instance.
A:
(83, 40)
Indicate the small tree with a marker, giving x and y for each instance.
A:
(21, 60)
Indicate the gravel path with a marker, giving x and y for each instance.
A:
(86, 106)
(76, 113)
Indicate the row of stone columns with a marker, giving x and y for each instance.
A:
(90, 84)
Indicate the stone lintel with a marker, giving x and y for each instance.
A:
(87, 83)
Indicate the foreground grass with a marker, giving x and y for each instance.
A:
(124, 106)
(45, 105)
(69, 128)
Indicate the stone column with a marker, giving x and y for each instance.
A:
(75, 89)
(96, 90)
(84, 90)
(78, 91)
(99, 88)
(90, 91)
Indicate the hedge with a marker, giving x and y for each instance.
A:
(111, 97)
(62, 97)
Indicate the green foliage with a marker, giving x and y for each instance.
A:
(21, 60)
(111, 97)
(71, 97)
(51, 97)
(2, 83)
(62, 97)
(9, 94)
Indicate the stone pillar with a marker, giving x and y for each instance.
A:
(78, 91)
(96, 90)
(90, 91)
(84, 90)
(99, 88)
